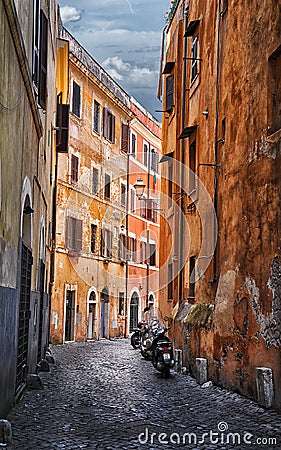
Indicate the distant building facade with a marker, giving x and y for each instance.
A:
(28, 58)
(143, 213)
(220, 261)
(94, 247)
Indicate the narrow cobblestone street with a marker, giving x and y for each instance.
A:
(103, 395)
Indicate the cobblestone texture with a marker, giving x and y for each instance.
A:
(102, 395)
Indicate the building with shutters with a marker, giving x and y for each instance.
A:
(143, 213)
(95, 239)
(28, 58)
(220, 250)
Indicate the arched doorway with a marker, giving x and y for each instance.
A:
(134, 311)
(26, 261)
(92, 316)
(104, 313)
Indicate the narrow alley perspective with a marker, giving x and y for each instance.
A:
(104, 395)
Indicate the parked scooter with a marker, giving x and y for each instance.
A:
(138, 332)
(162, 352)
(147, 338)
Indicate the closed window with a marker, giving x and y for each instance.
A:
(151, 210)
(192, 166)
(93, 238)
(170, 281)
(108, 125)
(133, 249)
(152, 255)
(76, 99)
(74, 234)
(107, 183)
(121, 308)
(154, 160)
(106, 243)
(95, 186)
(145, 154)
(191, 277)
(74, 168)
(122, 250)
(43, 59)
(133, 201)
(170, 92)
(123, 194)
(125, 138)
(96, 117)
(194, 56)
(133, 144)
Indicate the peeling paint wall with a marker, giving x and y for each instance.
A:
(237, 127)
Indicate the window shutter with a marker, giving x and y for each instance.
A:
(169, 92)
(63, 127)
(78, 236)
(76, 99)
(74, 168)
(95, 188)
(110, 244)
(107, 186)
(125, 138)
(68, 231)
(105, 123)
(113, 128)
(154, 160)
(43, 55)
(102, 243)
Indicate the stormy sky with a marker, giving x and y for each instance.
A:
(124, 36)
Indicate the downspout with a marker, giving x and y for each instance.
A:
(182, 224)
(147, 231)
(127, 234)
(217, 142)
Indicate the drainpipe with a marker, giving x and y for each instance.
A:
(127, 234)
(217, 142)
(182, 224)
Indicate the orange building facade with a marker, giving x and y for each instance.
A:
(143, 213)
(96, 249)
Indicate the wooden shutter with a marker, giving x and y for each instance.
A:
(78, 235)
(105, 123)
(95, 187)
(102, 243)
(113, 128)
(74, 168)
(107, 186)
(169, 92)
(43, 58)
(125, 138)
(76, 99)
(63, 127)
(68, 231)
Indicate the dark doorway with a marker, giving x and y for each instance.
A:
(104, 313)
(69, 315)
(41, 282)
(92, 317)
(24, 315)
(134, 311)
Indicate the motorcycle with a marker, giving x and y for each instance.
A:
(137, 334)
(162, 352)
(147, 338)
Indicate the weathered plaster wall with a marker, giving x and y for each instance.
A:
(237, 75)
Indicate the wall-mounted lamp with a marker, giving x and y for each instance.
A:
(139, 187)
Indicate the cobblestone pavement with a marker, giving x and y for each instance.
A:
(103, 395)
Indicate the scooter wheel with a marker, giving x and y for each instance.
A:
(135, 342)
